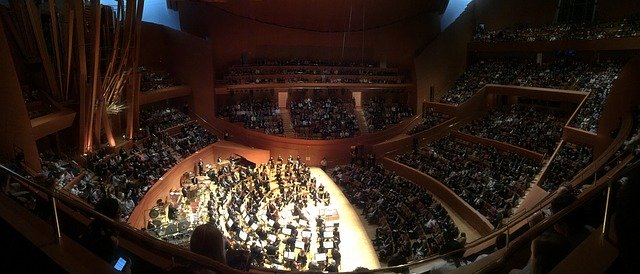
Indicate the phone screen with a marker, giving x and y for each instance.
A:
(120, 263)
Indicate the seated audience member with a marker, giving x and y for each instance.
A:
(100, 237)
(454, 259)
(239, 259)
(626, 225)
(206, 240)
(547, 250)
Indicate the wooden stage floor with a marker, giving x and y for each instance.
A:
(355, 246)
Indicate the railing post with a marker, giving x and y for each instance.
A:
(55, 219)
(606, 210)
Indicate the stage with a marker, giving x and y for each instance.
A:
(356, 247)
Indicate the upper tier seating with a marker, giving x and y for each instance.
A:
(329, 118)
(263, 115)
(490, 180)
(608, 30)
(379, 113)
(525, 126)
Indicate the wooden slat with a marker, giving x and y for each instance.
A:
(9, 23)
(95, 91)
(34, 16)
(136, 64)
(81, 58)
(23, 25)
(69, 53)
(107, 128)
(56, 39)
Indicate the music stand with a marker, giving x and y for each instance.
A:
(306, 234)
(303, 222)
(286, 231)
(243, 235)
(300, 244)
(254, 226)
(271, 238)
(289, 255)
(327, 234)
(327, 244)
(230, 223)
(320, 257)
(271, 223)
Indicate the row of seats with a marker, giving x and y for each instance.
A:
(562, 32)
(490, 180)
(410, 224)
(565, 73)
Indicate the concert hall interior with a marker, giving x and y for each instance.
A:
(351, 136)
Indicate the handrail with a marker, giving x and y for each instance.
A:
(534, 231)
(206, 122)
(140, 239)
(172, 251)
(544, 202)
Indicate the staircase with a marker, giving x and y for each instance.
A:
(362, 123)
(287, 124)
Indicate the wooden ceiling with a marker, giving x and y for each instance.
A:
(328, 15)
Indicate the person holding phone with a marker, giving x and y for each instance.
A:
(101, 238)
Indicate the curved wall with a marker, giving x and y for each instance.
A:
(337, 151)
(171, 179)
(443, 194)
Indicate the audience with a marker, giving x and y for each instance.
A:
(255, 114)
(411, 224)
(329, 118)
(158, 119)
(191, 138)
(490, 180)
(155, 79)
(430, 119)
(60, 170)
(598, 84)
(564, 73)
(608, 30)
(127, 174)
(380, 113)
(526, 126)
(311, 71)
(569, 160)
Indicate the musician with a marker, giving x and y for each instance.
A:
(194, 180)
(256, 254)
(173, 211)
(151, 225)
(321, 193)
(200, 167)
(336, 256)
(185, 192)
(271, 163)
(271, 249)
(301, 259)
